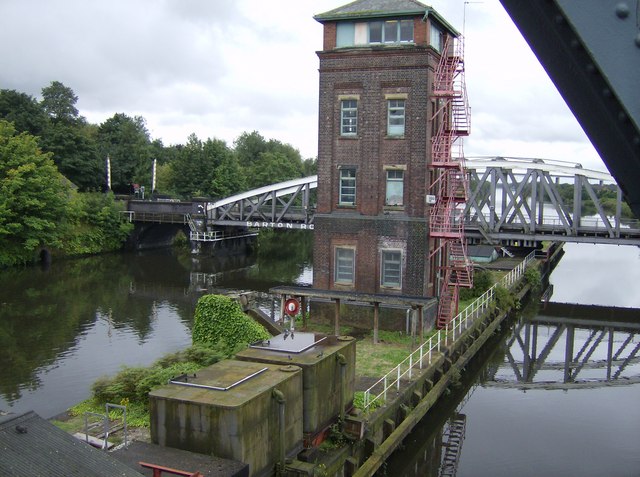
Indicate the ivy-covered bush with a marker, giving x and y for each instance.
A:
(533, 278)
(219, 320)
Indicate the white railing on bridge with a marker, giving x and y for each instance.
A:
(217, 236)
(425, 353)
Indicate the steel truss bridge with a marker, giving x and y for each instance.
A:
(511, 201)
(556, 352)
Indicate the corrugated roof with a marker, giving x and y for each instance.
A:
(32, 446)
(367, 9)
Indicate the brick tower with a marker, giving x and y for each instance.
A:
(378, 116)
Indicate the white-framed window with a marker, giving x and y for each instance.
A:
(395, 117)
(345, 260)
(395, 187)
(347, 195)
(391, 268)
(348, 117)
(391, 31)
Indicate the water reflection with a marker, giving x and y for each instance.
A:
(506, 418)
(558, 352)
(63, 327)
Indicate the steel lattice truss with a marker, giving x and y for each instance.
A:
(511, 201)
(519, 200)
(283, 205)
(589, 355)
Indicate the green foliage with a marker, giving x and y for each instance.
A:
(132, 385)
(180, 240)
(335, 439)
(482, 281)
(268, 162)
(199, 354)
(95, 225)
(75, 154)
(533, 278)
(358, 401)
(23, 111)
(505, 300)
(126, 141)
(137, 413)
(219, 320)
(33, 197)
(59, 102)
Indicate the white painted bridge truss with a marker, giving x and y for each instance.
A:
(511, 201)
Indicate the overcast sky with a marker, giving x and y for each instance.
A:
(218, 68)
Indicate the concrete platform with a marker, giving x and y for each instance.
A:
(178, 459)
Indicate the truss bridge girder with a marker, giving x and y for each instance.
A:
(285, 202)
(514, 198)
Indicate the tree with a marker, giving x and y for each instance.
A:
(126, 141)
(59, 102)
(203, 167)
(267, 162)
(23, 111)
(228, 179)
(271, 168)
(33, 197)
(75, 153)
(248, 147)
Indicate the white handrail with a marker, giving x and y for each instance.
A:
(455, 327)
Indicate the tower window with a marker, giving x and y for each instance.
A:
(345, 265)
(374, 32)
(347, 186)
(395, 187)
(395, 117)
(435, 37)
(391, 268)
(349, 117)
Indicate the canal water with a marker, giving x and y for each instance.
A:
(63, 327)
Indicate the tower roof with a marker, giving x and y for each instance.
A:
(368, 9)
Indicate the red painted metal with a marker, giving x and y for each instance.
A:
(159, 469)
(450, 184)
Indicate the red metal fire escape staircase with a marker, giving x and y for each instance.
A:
(450, 184)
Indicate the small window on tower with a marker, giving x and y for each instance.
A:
(395, 119)
(349, 117)
(345, 265)
(391, 269)
(347, 194)
(375, 32)
(395, 187)
(436, 37)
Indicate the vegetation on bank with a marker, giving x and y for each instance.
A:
(220, 330)
(220, 322)
(53, 169)
(39, 208)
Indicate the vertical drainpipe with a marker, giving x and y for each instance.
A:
(342, 361)
(280, 399)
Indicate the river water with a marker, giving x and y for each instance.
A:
(63, 327)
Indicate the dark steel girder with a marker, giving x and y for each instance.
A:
(591, 51)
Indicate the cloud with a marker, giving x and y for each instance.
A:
(220, 68)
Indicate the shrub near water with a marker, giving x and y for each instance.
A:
(220, 321)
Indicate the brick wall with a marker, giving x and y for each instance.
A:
(371, 74)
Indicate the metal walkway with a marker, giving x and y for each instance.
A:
(511, 201)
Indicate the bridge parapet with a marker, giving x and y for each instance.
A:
(511, 200)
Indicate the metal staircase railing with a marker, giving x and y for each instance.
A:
(446, 223)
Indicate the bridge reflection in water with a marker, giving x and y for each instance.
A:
(562, 347)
